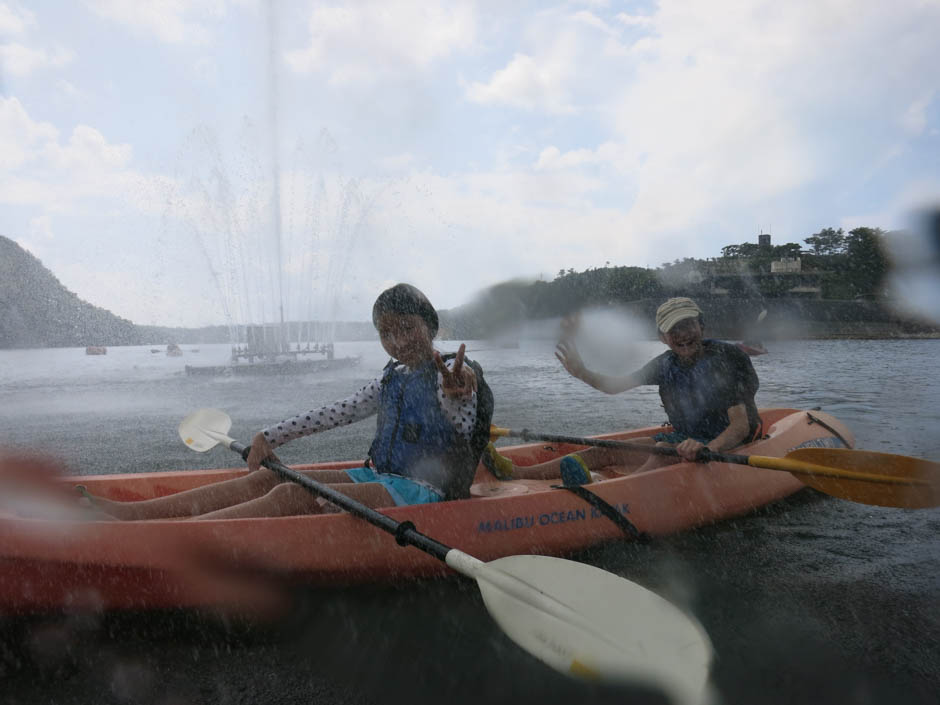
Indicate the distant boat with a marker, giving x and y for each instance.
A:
(173, 350)
(154, 350)
(96, 350)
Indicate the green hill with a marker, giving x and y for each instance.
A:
(36, 311)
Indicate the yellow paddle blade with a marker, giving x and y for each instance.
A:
(880, 478)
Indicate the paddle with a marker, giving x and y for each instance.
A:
(576, 618)
(860, 476)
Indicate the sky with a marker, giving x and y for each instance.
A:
(452, 145)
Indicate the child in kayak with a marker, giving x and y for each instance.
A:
(433, 412)
(707, 388)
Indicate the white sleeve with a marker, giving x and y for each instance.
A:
(360, 405)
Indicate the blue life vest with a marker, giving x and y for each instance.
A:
(413, 436)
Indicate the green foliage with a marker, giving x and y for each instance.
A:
(757, 258)
(746, 250)
(791, 250)
(37, 311)
(573, 290)
(866, 263)
(827, 241)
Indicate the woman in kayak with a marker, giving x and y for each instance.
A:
(707, 388)
(433, 413)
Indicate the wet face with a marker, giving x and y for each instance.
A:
(685, 339)
(405, 337)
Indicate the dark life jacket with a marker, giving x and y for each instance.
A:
(697, 397)
(415, 439)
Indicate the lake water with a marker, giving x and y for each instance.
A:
(812, 600)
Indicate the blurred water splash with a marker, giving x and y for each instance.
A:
(278, 228)
(612, 340)
(279, 246)
(914, 281)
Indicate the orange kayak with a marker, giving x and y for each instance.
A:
(77, 563)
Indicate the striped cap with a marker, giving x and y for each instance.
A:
(675, 310)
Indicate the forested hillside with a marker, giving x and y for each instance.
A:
(36, 311)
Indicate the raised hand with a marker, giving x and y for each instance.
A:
(568, 355)
(457, 381)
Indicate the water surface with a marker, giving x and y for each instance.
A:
(811, 600)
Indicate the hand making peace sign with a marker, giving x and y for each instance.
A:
(457, 381)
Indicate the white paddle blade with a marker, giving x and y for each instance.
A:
(608, 628)
(205, 429)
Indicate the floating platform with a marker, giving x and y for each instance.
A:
(276, 367)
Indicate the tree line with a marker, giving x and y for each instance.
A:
(848, 266)
(855, 263)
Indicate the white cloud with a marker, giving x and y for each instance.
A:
(20, 135)
(67, 88)
(536, 222)
(41, 227)
(633, 138)
(691, 135)
(563, 63)
(527, 83)
(591, 20)
(15, 20)
(364, 41)
(171, 21)
(724, 103)
(87, 149)
(397, 162)
(720, 109)
(21, 60)
(914, 119)
(609, 153)
(38, 169)
(206, 69)
(39, 238)
(634, 20)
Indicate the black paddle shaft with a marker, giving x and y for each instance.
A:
(704, 455)
(404, 532)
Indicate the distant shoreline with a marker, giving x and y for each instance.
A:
(768, 340)
(860, 336)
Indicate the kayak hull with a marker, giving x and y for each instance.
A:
(77, 564)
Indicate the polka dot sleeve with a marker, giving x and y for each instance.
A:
(360, 405)
(462, 411)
